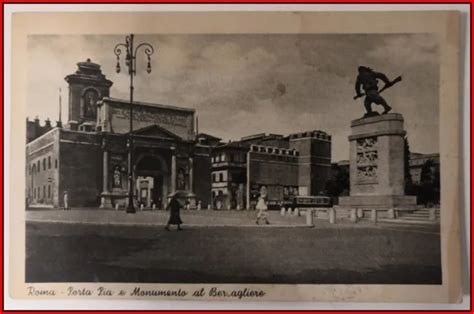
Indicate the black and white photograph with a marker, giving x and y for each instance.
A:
(301, 158)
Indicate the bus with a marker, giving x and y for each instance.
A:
(309, 202)
(301, 202)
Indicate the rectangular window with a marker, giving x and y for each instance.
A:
(44, 191)
(49, 191)
(216, 177)
(221, 177)
(44, 163)
(56, 163)
(212, 159)
(223, 157)
(49, 162)
(218, 159)
(38, 166)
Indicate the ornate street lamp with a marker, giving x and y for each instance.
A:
(131, 63)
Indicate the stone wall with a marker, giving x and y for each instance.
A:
(80, 168)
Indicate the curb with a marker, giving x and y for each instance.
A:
(147, 224)
(401, 221)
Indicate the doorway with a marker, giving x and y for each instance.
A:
(151, 175)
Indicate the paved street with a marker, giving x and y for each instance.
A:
(342, 253)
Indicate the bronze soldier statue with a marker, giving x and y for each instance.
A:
(368, 80)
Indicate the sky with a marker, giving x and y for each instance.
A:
(245, 84)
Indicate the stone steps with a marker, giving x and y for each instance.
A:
(414, 218)
(407, 221)
(421, 216)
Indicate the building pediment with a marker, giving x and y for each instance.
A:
(157, 132)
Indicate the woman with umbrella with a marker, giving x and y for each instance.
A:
(174, 207)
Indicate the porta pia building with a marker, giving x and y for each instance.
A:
(88, 155)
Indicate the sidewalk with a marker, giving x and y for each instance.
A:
(206, 219)
(202, 218)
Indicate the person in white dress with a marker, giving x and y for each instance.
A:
(262, 209)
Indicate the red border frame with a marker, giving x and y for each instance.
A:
(467, 176)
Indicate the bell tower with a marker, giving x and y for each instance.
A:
(86, 87)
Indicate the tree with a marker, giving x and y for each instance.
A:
(427, 193)
(427, 171)
(339, 182)
(436, 185)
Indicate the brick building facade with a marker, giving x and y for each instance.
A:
(285, 166)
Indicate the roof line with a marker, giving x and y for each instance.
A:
(154, 105)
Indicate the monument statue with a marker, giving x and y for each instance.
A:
(368, 80)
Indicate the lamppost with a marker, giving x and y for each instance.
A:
(131, 63)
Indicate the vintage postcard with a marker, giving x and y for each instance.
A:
(300, 156)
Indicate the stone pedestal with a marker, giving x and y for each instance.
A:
(377, 175)
(111, 199)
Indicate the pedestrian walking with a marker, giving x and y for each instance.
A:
(65, 199)
(175, 219)
(262, 209)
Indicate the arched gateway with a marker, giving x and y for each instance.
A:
(151, 180)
